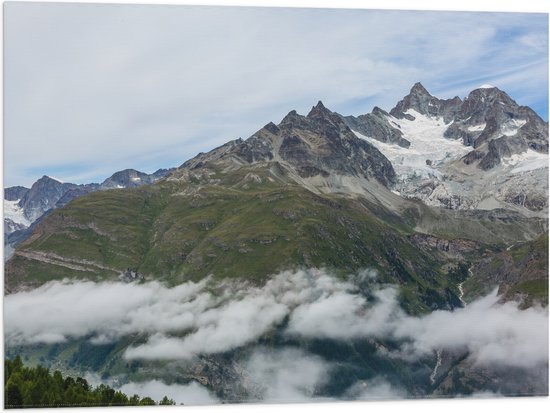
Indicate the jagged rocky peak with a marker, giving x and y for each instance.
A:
(293, 118)
(42, 196)
(485, 102)
(376, 125)
(421, 101)
(48, 180)
(418, 89)
(379, 112)
(131, 178)
(15, 193)
(320, 143)
(497, 127)
(272, 128)
(319, 111)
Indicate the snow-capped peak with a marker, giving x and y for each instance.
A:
(55, 179)
(487, 86)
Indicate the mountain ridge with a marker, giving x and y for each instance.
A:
(313, 196)
(47, 193)
(486, 143)
(183, 225)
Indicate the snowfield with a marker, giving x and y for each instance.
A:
(527, 161)
(15, 213)
(427, 144)
(511, 128)
(431, 170)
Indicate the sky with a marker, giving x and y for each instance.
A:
(90, 89)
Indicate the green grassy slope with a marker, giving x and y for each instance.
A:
(242, 224)
(521, 272)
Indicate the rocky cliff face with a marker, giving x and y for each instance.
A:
(489, 114)
(319, 144)
(376, 125)
(484, 152)
(423, 102)
(15, 193)
(43, 196)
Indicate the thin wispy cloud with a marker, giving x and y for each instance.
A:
(111, 87)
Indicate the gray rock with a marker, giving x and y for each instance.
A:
(43, 196)
(130, 178)
(502, 147)
(15, 192)
(494, 109)
(423, 102)
(74, 193)
(376, 125)
(317, 144)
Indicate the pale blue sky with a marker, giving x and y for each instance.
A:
(92, 89)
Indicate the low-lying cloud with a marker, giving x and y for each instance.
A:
(287, 375)
(375, 389)
(188, 394)
(491, 332)
(205, 318)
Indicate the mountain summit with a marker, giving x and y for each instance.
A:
(319, 144)
(466, 154)
(421, 101)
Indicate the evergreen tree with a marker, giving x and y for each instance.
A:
(167, 402)
(37, 387)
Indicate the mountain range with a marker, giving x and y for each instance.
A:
(445, 199)
(24, 206)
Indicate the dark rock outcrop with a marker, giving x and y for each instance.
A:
(423, 102)
(502, 147)
(376, 125)
(43, 196)
(15, 192)
(489, 114)
(74, 193)
(320, 143)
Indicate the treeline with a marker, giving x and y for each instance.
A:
(37, 387)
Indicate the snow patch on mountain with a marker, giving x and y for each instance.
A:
(431, 169)
(428, 148)
(527, 161)
(55, 179)
(511, 127)
(486, 86)
(13, 211)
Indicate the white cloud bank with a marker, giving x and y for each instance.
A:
(190, 319)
